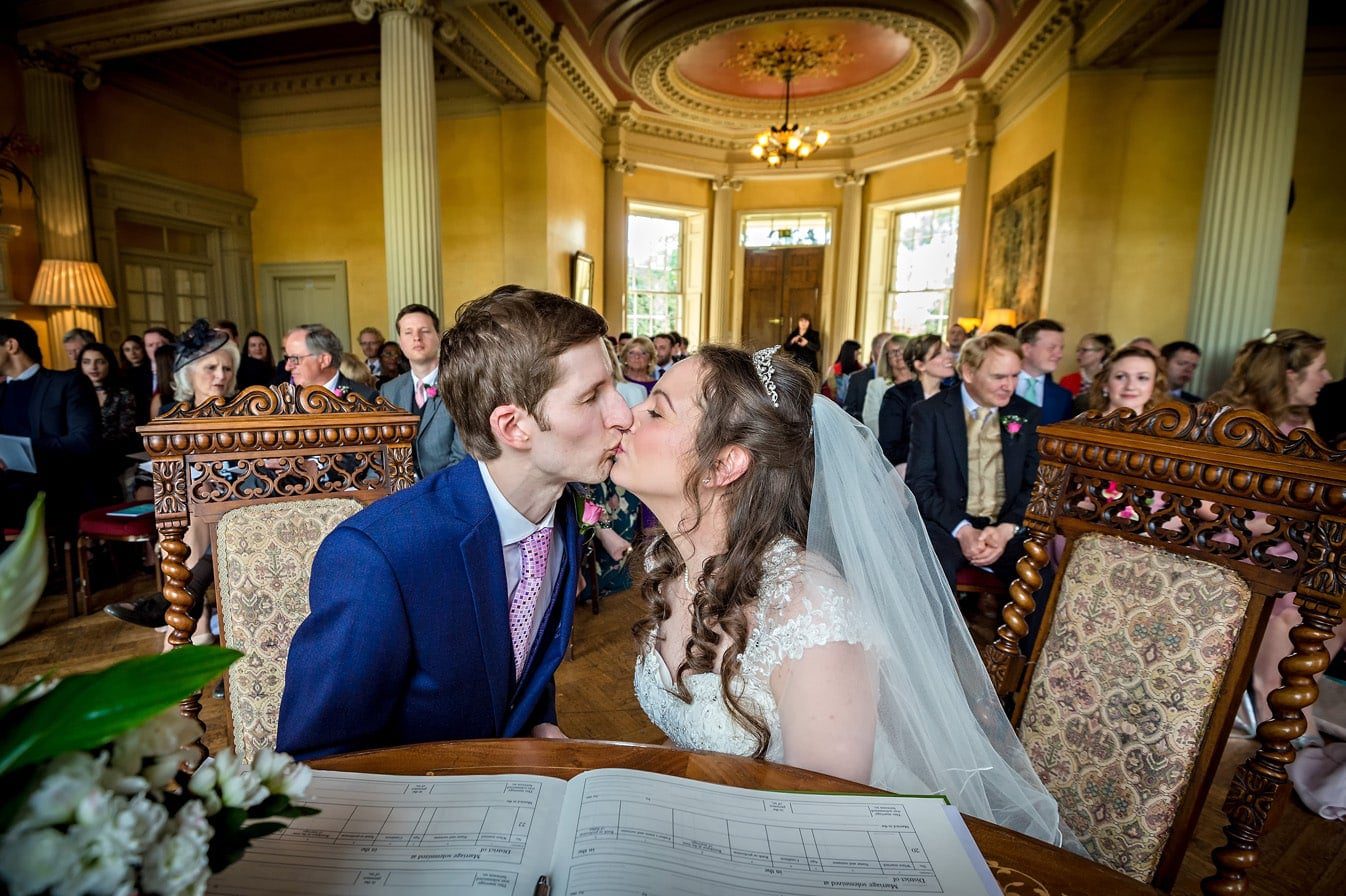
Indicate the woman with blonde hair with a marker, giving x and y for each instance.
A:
(890, 370)
(355, 369)
(638, 362)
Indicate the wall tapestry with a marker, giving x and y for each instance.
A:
(1016, 253)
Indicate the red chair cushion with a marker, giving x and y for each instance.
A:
(97, 523)
(970, 578)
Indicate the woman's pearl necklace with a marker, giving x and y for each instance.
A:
(687, 581)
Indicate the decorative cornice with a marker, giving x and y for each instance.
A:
(291, 82)
(478, 66)
(726, 182)
(849, 179)
(560, 52)
(1161, 18)
(1043, 26)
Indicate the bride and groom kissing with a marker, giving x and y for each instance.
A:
(796, 609)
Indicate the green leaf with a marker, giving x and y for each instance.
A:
(23, 573)
(87, 711)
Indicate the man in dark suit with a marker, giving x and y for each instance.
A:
(1329, 414)
(973, 461)
(860, 380)
(313, 357)
(1180, 362)
(58, 412)
(437, 443)
(1043, 342)
(442, 612)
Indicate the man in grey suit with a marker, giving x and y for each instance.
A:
(438, 444)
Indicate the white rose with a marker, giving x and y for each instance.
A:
(104, 845)
(203, 783)
(161, 772)
(33, 861)
(239, 787)
(165, 734)
(179, 863)
(281, 774)
(66, 781)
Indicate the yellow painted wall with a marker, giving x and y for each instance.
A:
(119, 126)
(648, 185)
(788, 193)
(574, 207)
(471, 226)
(320, 198)
(1312, 289)
(523, 180)
(931, 175)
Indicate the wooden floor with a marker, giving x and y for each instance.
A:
(1304, 855)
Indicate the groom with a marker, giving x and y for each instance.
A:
(442, 611)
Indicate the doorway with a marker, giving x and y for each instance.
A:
(779, 284)
(313, 293)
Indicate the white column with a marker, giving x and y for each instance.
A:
(720, 326)
(412, 250)
(63, 229)
(1248, 168)
(845, 321)
(615, 172)
(972, 205)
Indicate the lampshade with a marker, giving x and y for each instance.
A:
(71, 284)
(969, 323)
(997, 316)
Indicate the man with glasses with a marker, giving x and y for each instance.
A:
(371, 343)
(313, 358)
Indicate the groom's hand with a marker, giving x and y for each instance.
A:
(549, 731)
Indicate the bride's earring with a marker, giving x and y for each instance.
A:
(705, 482)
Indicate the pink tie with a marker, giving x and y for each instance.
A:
(533, 568)
(420, 394)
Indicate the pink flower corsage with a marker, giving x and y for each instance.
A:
(431, 391)
(1013, 423)
(593, 514)
(340, 391)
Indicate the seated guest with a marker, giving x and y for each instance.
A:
(58, 412)
(858, 388)
(75, 340)
(892, 370)
(353, 368)
(954, 339)
(620, 524)
(257, 366)
(663, 353)
(1180, 363)
(392, 363)
(1043, 342)
(117, 413)
(838, 378)
(1146, 343)
(438, 444)
(313, 357)
(371, 342)
(1329, 414)
(1093, 350)
(466, 580)
(137, 374)
(1132, 379)
(932, 362)
(973, 462)
(638, 362)
(164, 396)
(156, 338)
(623, 338)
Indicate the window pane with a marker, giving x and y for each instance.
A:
(134, 235)
(925, 246)
(182, 281)
(185, 242)
(135, 302)
(654, 274)
(154, 279)
(786, 230)
(198, 283)
(156, 314)
(135, 276)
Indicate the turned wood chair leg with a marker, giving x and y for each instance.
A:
(84, 547)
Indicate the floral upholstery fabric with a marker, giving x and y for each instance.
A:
(1124, 689)
(263, 557)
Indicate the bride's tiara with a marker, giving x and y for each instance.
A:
(761, 360)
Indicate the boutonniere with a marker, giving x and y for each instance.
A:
(591, 516)
(1012, 423)
(431, 391)
(340, 391)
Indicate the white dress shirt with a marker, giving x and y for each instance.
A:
(27, 374)
(331, 385)
(514, 528)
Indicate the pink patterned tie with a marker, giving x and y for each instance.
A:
(533, 567)
(420, 394)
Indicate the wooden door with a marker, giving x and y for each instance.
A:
(294, 294)
(778, 286)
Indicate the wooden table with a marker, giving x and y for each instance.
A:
(1021, 864)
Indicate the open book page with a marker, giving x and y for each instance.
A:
(626, 832)
(407, 834)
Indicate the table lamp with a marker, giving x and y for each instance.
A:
(70, 286)
(997, 316)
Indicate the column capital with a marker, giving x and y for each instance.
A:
(621, 166)
(725, 182)
(971, 148)
(59, 62)
(849, 179)
(366, 10)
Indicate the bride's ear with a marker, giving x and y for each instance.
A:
(730, 465)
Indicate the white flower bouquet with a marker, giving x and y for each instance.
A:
(94, 797)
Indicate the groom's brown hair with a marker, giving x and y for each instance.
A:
(502, 349)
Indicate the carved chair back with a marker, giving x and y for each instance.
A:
(266, 445)
(1180, 527)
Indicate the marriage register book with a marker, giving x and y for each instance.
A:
(607, 831)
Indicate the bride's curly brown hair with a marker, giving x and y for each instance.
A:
(769, 501)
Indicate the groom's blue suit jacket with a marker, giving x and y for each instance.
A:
(408, 640)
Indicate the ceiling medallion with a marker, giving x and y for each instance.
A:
(792, 55)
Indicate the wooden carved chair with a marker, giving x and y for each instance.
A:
(1180, 529)
(269, 474)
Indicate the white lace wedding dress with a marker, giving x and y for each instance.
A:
(800, 606)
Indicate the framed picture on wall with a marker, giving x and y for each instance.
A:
(582, 278)
(1016, 253)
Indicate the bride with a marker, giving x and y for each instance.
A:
(797, 612)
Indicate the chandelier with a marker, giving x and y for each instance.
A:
(785, 58)
(788, 142)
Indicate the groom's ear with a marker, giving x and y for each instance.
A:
(507, 425)
(731, 464)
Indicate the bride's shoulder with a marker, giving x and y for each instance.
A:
(796, 580)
